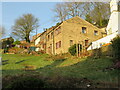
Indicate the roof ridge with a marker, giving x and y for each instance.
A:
(82, 20)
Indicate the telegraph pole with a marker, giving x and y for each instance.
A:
(36, 35)
(77, 49)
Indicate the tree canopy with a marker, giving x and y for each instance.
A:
(93, 12)
(2, 31)
(25, 25)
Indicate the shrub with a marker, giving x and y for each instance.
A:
(16, 42)
(26, 82)
(107, 50)
(72, 49)
(29, 67)
(97, 53)
(116, 47)
(15, 50)
(56, 57)
(5, 50)
(7, 42)
(41, 52)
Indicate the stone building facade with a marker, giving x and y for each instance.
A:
(59, 38)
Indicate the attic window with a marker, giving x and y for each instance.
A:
(83, 29)
(86, 42)
(71, 42)
(95, 33)
(48, 37)
(58, 30)
(58, 44)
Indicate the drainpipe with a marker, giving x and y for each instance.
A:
(53, 43)
(45, 44)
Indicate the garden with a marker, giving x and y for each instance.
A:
(62, 71)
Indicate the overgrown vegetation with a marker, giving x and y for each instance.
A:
(72, 50)
(15, 50)
(97, 53)
(56, 81)
(24, 81)
(6, 43)
(116, 47)
(17, 42)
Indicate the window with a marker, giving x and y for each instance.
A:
(48, 37)
(58, 44)
(44, 46)
(83, 29)
(58, 30)
(71, 42)
(95, 33)
(86, 42)
(42, 37)
(51, 35)
(119, 6)
(50, 47)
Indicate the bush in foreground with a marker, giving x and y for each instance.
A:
(116, 47)
(72, 49)
(56, 81)
(25, 82)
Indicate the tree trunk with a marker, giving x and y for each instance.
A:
(27, 38)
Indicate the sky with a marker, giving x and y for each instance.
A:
(41, 10)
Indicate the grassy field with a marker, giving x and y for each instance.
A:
(16, 61)
(72, 67)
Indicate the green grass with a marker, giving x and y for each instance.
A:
(37, 61)
(85, 68)
(71, 67)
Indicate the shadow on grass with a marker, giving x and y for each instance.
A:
(86, 72)
(21, 61)
(54, 64)
(89, 68)
(4, 62)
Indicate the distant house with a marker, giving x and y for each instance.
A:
(7, 42)
(24, 44)
(35, 36)
(59, 38)
(40, 42)
(35, 41)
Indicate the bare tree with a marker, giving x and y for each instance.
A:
(100, 13)
(66, 10)
(74, 8)
(60, 12)
(2, 31)
(24, 26)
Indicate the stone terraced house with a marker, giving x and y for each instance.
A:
(59, 38)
